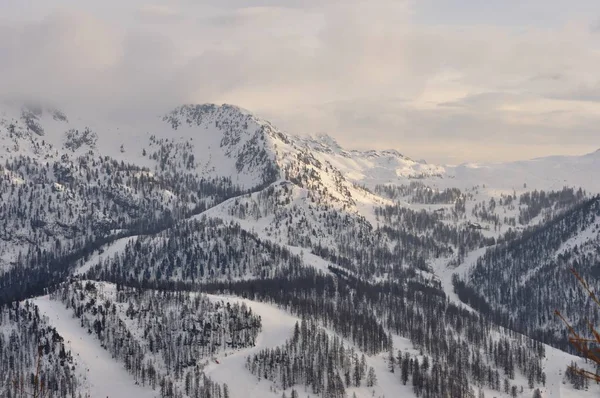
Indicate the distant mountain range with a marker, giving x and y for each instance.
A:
(382, 251)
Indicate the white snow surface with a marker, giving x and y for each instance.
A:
(215, 158)
(106, 252)
(369, 168)
(277, 327)
(390, 167)
(103, 375)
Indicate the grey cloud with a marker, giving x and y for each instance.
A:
(587, 93)
(483, 100)
(159, 13)
(74, 59)
(354, 69)
(548, 76)
(447, 134)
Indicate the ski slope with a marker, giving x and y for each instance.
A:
(104, 376)
(277, 327)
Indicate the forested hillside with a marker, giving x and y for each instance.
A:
(526, 279)
(34, 359)
(205, 253)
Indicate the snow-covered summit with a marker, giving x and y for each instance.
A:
(225, 141)
(213, 193)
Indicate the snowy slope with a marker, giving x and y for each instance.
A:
(104, 376)
(303, 193)
(547, 173)
(209, 140)
(106, 252)
(370, 168)
(227, 141)
(278, 326)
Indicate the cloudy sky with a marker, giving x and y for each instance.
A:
(445, 80)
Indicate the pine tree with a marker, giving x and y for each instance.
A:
(357, 374)
(391, 358)
(371, 377)
(416, 378)
(225, 391)
(363, 366)
(405, 368)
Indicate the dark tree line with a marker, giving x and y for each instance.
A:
(428, 234)
(535, 202)
(313, 359)
(164, 339)
(521, 282)
(26, 340)
(196, 251)
(417, 192)
(458, 342)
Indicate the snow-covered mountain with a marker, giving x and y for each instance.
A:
(228, 142)
(371, 168)
(363, 245)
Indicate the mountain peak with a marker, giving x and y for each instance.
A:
(235, 108)
(326, 139)
(321, 142)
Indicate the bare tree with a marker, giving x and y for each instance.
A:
(587, 347)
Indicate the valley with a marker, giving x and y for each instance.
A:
(446, 274)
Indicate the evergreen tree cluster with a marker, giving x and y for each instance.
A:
(164, 339)
(532, 204)
(577, 380)
(48, 205)
(315, 360)
(407, 240)
(60, 211)
(417, 192)
(33, 357)
(462, 350)
(316, 223)
(196, 251)
(427, 234)
(516, 282)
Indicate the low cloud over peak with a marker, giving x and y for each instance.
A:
(391, 71)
